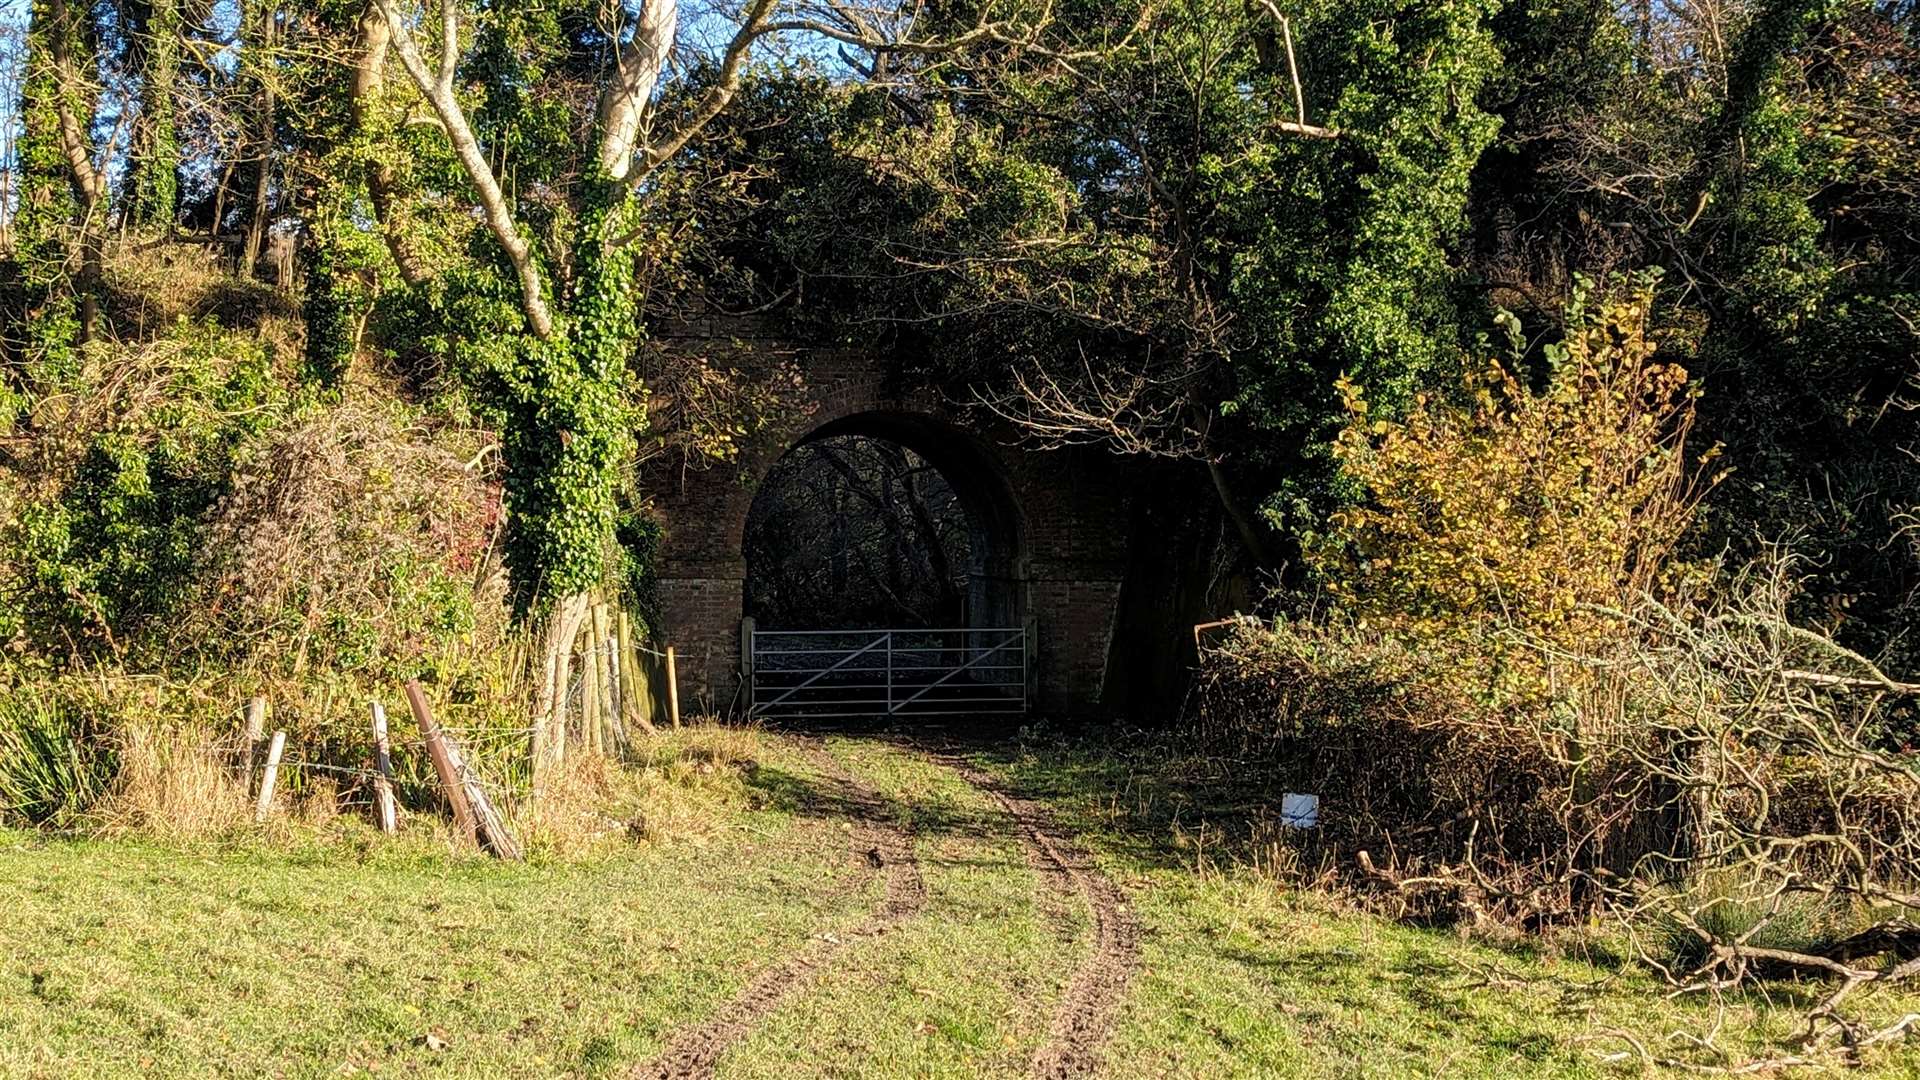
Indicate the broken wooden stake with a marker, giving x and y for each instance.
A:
(493, 828)
(473, 811)
(265, 803)
(256, 733)
(383, 773)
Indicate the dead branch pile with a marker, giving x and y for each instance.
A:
(1727, 789)
(346, 526)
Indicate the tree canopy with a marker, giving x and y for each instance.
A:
(1167, 228)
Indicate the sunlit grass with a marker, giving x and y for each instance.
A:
(336, 951)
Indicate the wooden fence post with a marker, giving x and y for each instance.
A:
(616, 687)
(492, 829)
(673, 690)
(597, 670)
(267, 778)
(383, 773)
(629, 673)
(589, 686)
(256, 732)
(747, 627)
(442, 762)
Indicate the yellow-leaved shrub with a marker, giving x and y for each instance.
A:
(1530, 514)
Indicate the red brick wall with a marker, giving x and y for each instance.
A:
(1063, 515)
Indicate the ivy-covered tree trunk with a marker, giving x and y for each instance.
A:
(560, 365)
(155, 163)
(63, 196)
(569, 431)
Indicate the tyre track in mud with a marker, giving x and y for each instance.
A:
(694, 1050)
(1085, 1015)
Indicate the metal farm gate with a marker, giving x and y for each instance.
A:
(793, 673)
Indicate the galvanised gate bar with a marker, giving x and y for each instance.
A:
(968, 670)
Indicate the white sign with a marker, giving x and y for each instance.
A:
(1300, 811)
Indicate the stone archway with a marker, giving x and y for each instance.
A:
(1053, 525)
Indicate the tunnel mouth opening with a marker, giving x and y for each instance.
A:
(884, 576)
(853, 532)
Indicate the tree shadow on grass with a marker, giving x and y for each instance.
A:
(836, 799)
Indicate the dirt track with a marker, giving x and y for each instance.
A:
(693, 1052)
(1085, 1015)
(1093, 994)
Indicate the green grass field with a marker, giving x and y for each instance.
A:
(331, 951)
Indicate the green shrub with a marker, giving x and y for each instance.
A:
(52, 766)
(135, 448)
(1524, 508)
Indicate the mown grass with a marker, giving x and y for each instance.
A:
(340, 952)
(123, 958)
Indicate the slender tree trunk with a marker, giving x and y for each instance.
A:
(437, 88)
(73, 109)
(934, 544)
(369, 78)
(637, 70)
(561, 625)
(266, 37)
(220, 196)
(1250, 532)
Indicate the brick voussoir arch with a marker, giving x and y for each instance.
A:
(1049, 528)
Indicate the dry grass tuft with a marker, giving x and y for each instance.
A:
(576, 812)
(148, 287)
(172, 784)
(677, 788)
(317, 804)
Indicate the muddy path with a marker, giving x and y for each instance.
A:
(879, 845)
(1086, 1013)
(1067, 877)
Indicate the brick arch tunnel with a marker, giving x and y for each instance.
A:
(996, 563)
(1050, 529)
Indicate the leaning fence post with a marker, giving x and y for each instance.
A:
(383, 772)
(442, 762)
(267, 778)
(673, 691)
(490, 829)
